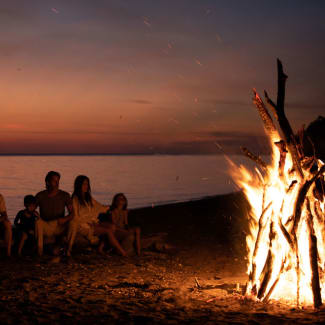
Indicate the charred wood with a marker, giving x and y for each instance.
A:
(283, 153)
(267, 270)
(265, 116)
(251, 156)
(313, 256)
(261, 227)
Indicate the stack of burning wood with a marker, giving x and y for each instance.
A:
(286, 246)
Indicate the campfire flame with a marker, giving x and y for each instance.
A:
(286, 243)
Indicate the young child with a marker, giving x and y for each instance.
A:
(119, 218)
(25, 221)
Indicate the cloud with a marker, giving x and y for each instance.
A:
(141, 101)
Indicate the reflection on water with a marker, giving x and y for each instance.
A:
(145, 180)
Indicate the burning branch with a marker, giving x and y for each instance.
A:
(313, 255)
(251, 156)
(284, 242)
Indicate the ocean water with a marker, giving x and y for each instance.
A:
(145, 180)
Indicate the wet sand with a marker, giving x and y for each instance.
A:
(199, 281)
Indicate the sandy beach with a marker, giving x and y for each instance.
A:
(199, 280)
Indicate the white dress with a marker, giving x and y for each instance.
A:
(86, 217)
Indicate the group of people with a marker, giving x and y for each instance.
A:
(86, 217)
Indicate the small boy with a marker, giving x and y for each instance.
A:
(25, 221)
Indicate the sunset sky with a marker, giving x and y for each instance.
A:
(154, 76)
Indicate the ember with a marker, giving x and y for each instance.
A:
(286, 242)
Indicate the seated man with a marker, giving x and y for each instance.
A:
(53, 222)
(5, 225)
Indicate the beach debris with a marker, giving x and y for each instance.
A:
(197, 283)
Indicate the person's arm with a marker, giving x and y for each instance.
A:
(67, 218)
(3, 216)
(17, 219)
(3, 210)
(100, 208)
(70, 216)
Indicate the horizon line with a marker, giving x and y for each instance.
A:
(115, 154)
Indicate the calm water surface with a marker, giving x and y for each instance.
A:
(146, 180)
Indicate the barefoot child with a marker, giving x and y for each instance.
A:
(119, 218)
(25, 221)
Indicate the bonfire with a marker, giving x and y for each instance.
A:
(286, 243)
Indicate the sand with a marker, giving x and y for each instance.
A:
(199, 281)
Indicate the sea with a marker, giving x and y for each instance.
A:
(146, 180)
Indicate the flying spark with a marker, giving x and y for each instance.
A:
(219, 39)
(198, 62)
(146, 22)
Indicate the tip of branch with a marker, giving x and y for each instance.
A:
(280, 68)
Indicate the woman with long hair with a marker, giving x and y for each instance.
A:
(86, 210)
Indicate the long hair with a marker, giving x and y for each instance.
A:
(114, 201)
(78, 192)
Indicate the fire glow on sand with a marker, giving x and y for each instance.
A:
(286, 244)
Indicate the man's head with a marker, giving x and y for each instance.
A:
(52, 180)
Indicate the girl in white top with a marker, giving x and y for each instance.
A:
(86, 210)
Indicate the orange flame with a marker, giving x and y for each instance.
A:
(272, 196)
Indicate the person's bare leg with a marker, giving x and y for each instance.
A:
(72, 232)
(22, 242)
(39, 236)
(109, 231)
(8, 236)
(101, 247)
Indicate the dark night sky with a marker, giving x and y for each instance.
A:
(162, 76)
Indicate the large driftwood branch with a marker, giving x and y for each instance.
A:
(268, 295)
(297, 215)
(301, 198)
(261, 227)
(282, 119)
(313, 256)
(267, 269)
